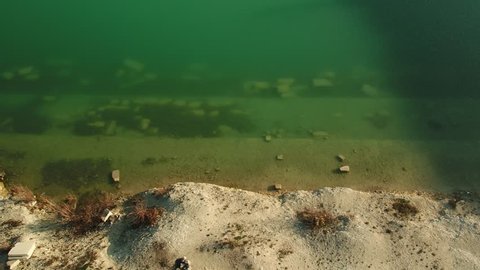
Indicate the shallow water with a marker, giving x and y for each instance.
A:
(188, 90)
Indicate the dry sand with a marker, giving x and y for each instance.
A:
(224, 228)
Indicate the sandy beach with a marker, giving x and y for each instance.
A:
(224, 228)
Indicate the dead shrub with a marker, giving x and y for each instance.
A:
(83, 214)
(318, 219)
(22, 193)
(404, 208)
(142, 215)
(12, 223)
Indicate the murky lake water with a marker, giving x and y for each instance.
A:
(214, 91)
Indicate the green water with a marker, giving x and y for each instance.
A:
(188, 90)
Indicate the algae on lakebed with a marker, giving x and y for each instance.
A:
(76, 173)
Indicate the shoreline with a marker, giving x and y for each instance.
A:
(224, 228)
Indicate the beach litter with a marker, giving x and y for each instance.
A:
(22, 251)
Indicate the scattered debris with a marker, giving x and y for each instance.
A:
(182, 264)
(344, 169)
(106, 215)
(340, 158)
(22, 251)
(116, 175)
(22, 194)
(279, 157)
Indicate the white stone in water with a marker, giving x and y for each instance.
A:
(144, 123)
(279, 157)
(287, 81)
(116, 175)
(261, 85)
(22, 250)
(268, 138)
(8, 75)
(283, 88)
(369, 90)
(341, 157)
(277, 187)
(322, 82)
(344, 169)
(133, 65)
(25, 70)
(32, 77)
(319, 134)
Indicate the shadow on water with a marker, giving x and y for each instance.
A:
(434, 58)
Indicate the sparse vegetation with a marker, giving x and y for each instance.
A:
(404, 208)
(83, 214)
(142, 216)
(318, 220)
(12, 223)
(22, 193)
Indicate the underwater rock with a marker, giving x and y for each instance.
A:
(111, 128)
(8, 75)
(369, 90)
(322, 82)
(340, 158)
(319, 134)
(116, 175)
(267, 138)
(279, 157)
(285, 81)
(144, 123)
(25, 70)
(133, 65)
(277, 187)
(344, 169)
(256, 87)
(32, 77)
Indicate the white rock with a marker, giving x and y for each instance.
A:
(267, 138)
(344, 169)
(22, 250)
(116, 175)
(279, 157)
(341, 158)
